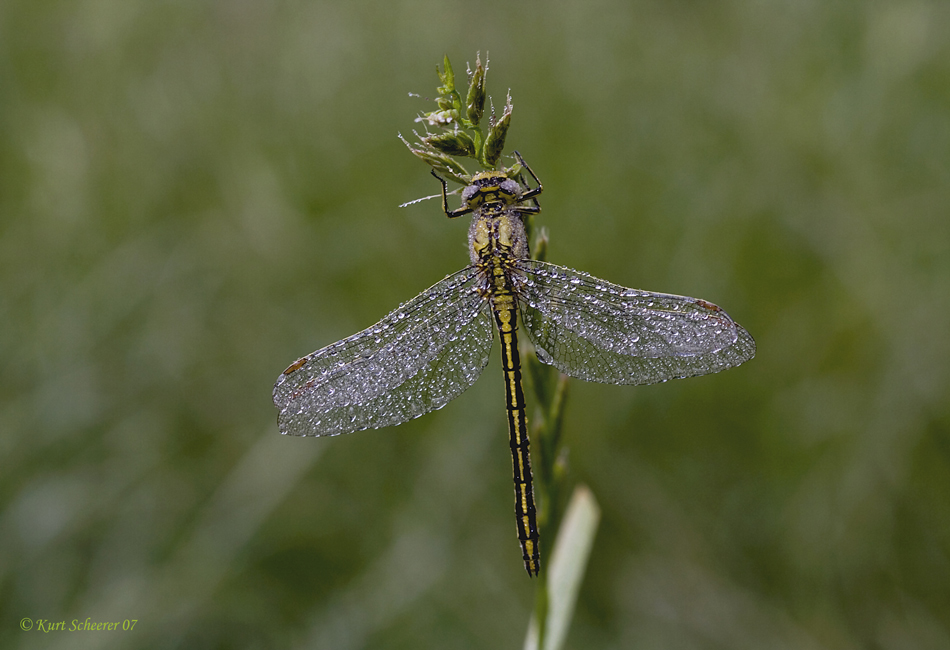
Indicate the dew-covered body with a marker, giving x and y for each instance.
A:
(497, 240)
(432, 348)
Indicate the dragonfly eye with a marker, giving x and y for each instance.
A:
(510, 188)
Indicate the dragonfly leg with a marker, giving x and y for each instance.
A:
(451, 214)
(531, 193)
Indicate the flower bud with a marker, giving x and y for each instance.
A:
(447, 78)
(440, 162)
(475, 102)
(495, 142)
(439, 118)
(455, 143)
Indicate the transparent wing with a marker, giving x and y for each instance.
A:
(598, 331)
(415, 360)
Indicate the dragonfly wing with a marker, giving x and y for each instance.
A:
(598, 331)
(415, 360)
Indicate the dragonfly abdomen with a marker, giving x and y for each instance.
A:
(505, 310)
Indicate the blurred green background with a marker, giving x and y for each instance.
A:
(194, 194)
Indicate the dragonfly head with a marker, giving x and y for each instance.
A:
(491, 187)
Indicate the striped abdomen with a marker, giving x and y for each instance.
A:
(505, 309)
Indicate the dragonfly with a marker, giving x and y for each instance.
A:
(430, 349)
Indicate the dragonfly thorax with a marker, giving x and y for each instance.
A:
(497, 231)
